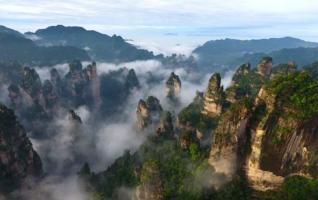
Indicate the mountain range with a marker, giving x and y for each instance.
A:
(228, 51)
(60, 44)
(99, 46)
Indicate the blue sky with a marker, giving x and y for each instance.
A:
(170, 25)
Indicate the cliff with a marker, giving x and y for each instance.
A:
(152, 117)
(265, 66)
(213, 97)
(151, 187)
(18, 159)
(173, 86)
(284, 134)
(271, 136)
(230, 138)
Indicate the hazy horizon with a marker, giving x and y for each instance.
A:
(169, 26)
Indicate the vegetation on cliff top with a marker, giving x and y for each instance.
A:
(298, 91)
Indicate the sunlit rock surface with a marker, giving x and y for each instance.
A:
(213, 97)
(173, 86)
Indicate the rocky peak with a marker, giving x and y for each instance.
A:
(132, 81)
(76, 65)
(56, 81)
(91, 71)
(73, 116)
(148, 112)
(76, 71)
(76, 82)
(151, 187)
(199, 97)
(265, 66)
(284, 69)
(153, 104)
(15, 95)
(230, 137)
(165, 127)
(18, 160)
(243, 70)
(49, 93)
(31, 83)
(173, 85)
(213, 98)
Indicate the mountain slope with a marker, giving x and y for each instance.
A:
(222, 52)
(15, 47)
(18, 159)
(301, 56)
(7, 30)
(99, 46)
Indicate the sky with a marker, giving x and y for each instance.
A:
(169, 25)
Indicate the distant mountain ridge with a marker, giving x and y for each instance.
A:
(15, 47)
(224, 52)
(7, 30)
(301, 56)
(60, 44)
(99, 46)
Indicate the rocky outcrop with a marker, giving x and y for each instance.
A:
(213, 97)
(131, 81)
(75, 82)
(94, 84)
(165, 127)
(243, 70)
(230, 139)
(15, 96)
(56, 80)
(284, 69)
(74, 117)
(235, 91)
(18, 160)
(282, 144)
(50, 96)
(273, 136)
(151, 187)
(82, 85)
(148, 112)
(31, 83)
(265, 66)
(173, 86)
(246, 82)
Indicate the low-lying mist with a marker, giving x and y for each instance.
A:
(100, 141)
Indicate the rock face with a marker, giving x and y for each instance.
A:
(93, 84)
(56, 80)
(269, 137)
(246, 82)
(229, 139)
(132, 81)
(265, 66)
(15, 96)
(213, 98)
(173, 86)
(234, 92)
(258, 178)
(75, 81)
(148, 112)
(31, 83)
(151, 187)
(150, 115)
(165, 127)
(73, 116)
(281, 144)
(18, 160)
(50, 95)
